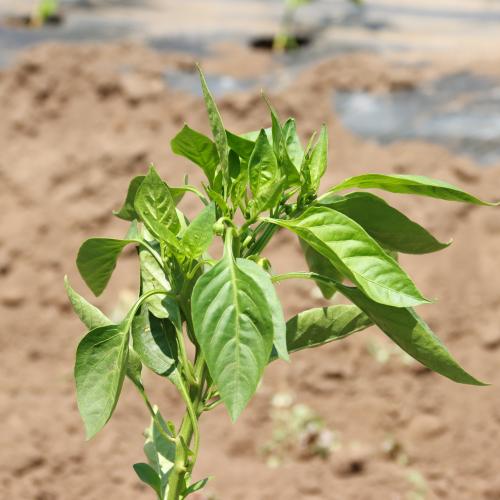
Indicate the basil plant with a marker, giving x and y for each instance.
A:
(257, 184)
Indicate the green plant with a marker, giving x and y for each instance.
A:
(44, 10)
(257, 184)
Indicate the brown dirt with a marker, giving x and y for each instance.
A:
(76, 124)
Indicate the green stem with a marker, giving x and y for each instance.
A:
(303, 275)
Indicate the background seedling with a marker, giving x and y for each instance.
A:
(256, 185)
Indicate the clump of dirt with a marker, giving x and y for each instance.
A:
(77, 123)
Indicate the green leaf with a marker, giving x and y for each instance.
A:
(411, 333)
(134, 369)
(410, 184)
(148, 476)
(238, 172)
(127, 212)
(218, 130)
(153, 278)
(355, 254)
(90, 315)
(266, 182)
(233, 325)
(321, 325)
(387, 225)
(240, 145)
(198, 148)
(200, 233)
(155, 342)
(263, 281)
(96, 261)
(292, 143)
(316, 162)
(197, 486)
(155, 206)
(321, 265)
(101, 362)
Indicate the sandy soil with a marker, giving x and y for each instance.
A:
(76, 124)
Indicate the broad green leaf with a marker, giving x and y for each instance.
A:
(263, 281)
(127, 212)
(387, 225)
(233, 325)
(412, 334)
(155, 206)
(319, 264)
(316, 162)
(292, 143)
(96, 261)
(321, 325)
(101, 362)
(240, 145)
(198, 148)
(216, 125)
(153, 278)
(410, 184)
(148, 476)
(155, 342)
(266, 182)
(91, 316)
(200, 233)
(356, 255)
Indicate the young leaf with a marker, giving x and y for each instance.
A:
(101, 362)
(96, 261)
(90, 315)
(155, 342)
(410, 184)
(355, 254)
(197, 486)
(321, 265)
(127, 212)
(238, 173)
(199, 234)
(316, 162)
(153, 278)
(411, 333)
(134, 369)
(263, 281)
(148, 476)
(292, 143)
(233, 324)
(218, 130)
(240, 145)
(387, 225)
(154, 204)
(198, 148)
(266, 182)
(321, 325)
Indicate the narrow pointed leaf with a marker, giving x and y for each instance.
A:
(96, 261)
(234, 327)
(412, 334)
(127, 212)
(200, 233)
(216, 125)
(264, 175)
(388, 226)
(91, 316)
(410, 184)
(356, 255)
(317, 161)
(263, 281)
(321, 325)
(154, 204)
(197, 486)
(317, 263)
(148, 476)
(198, 148)
(292, 143)
(101, 362)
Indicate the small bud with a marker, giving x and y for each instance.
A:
(219, 227)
